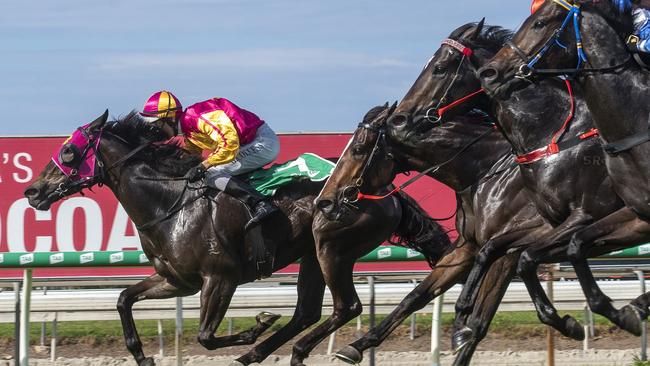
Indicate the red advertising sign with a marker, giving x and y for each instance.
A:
(97, 222)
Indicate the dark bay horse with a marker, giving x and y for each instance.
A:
(474, 160)
(616, 91)
(194, 237)
(569, 193)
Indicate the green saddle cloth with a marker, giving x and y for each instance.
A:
(306, 166)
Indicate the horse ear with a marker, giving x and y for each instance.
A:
(392, 108)
(100, 121)
(477, 30)
(386, 105)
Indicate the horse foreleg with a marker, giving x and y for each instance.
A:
(546, 312)
(347, 306)
(216, 294)
(154, 287)
(311, 288)
(620, 229)
(489, 297)
(450, 270)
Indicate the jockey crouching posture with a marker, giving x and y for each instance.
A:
(640, 40)
(237, 142)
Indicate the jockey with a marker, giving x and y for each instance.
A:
(236, 141)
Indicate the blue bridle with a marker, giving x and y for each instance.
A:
(526, 70)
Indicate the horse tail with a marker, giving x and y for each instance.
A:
(418, 231)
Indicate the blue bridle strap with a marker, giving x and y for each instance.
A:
(574, 14)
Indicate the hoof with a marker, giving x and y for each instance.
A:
(236, 363)
(572, 328)
(461, 338)
(147, 362)
(349, 355)
(630, 319)
(267, 318)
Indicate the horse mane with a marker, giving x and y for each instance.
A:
(169, 159)
(492, 37)
(418, 231)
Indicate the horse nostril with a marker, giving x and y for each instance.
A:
(399, 119)
(325, 205)
(31, 192)
(488, 74)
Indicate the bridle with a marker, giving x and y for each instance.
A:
(528, 69)
(351, 194)
(72, 185)
(434, 114)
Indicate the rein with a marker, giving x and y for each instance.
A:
(361, 196)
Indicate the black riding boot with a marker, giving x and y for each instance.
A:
(259, 206)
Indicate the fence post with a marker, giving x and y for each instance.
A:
(161, 340)
(53, 340)
(179, 331)
(550, 336)
(644, 326)
(371, 285)
(24, 317)
(436, 320)
(585, 342)
(17, 323)
(413, 316)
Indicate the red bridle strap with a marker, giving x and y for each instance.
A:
(361, 196)
(443, 110)
(458, 46)
(554, 147)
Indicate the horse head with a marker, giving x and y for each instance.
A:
(73, 167)
(447, 86)
(366, 165)
(550, 43)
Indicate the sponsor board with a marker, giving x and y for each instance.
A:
(97, 222)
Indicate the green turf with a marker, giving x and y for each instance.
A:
(148, 328)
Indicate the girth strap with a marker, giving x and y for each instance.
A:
(627, 143)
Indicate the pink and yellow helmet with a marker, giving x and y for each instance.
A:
(162, 104)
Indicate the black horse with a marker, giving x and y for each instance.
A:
(194, 237)
(471, 157)
(566, 191)
(616, 91)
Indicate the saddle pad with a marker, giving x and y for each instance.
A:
(306, 166)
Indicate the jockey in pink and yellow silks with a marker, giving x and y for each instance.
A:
(233, 140)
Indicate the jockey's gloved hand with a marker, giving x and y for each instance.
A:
(196, 173)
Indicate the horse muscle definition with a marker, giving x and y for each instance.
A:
(474, 160)
(199, 244)
(568, 194)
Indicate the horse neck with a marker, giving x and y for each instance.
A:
(142, 199)
(470, 165)
(530, 117)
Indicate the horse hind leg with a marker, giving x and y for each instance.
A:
(153, 287)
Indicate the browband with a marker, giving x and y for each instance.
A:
(458, 46)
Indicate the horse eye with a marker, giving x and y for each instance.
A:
(539, 24)
(357, 150)
(439, 70)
